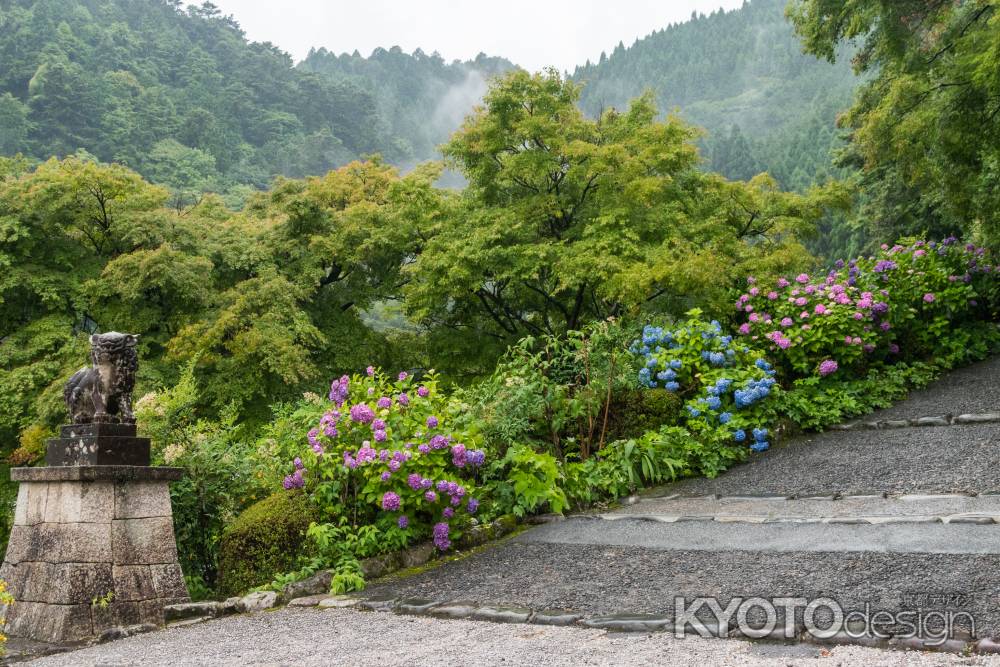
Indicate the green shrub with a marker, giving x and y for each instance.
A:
(633, 412)
(263, 541)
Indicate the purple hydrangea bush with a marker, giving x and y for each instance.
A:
(383, 451)
(900, 303)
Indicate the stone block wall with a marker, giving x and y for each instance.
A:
(89, 554)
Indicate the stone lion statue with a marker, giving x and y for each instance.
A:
(103, 393)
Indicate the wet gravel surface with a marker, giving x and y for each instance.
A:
(603, 579)
(343, 637)
(973, 389)
(944, 459)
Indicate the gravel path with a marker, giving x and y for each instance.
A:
(946, 459)
(605, 579)
(973, 389)
(344, 637)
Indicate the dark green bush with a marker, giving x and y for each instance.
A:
(633, 412)
(263, 541)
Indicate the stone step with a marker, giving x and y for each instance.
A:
(848, 534)
(828, 508)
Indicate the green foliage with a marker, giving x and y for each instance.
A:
(924, 127)
(532, 481)
(741, 75)
(557, 393)
(338, 547)
(267, 538)
(178, 92)
(568, 220)
(218, 480)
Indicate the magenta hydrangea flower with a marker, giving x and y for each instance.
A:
(339, 390)
(370, 371)
(430, 497)
(297, 462)
(432, 422)
(362, 414)
(413, 480)
(423, 392)
(441, 540)
(390, 501)
(395, 465)
(744, 328)
(827, 367)
(403, 375)
(472, 505)
(378, 425)
(782, 282)
(786, 322)
(784, 343)
(386, 476)
(424, 448)
(384, 402)
(448, 513)
(929, 298)
(403, 521)
(772, 296)
(802, 278)
(380, 436)
(403, 400)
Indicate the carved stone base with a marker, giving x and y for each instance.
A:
(92, 548)
(97, 444)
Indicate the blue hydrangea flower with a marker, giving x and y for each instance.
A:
(725, 417)
(675, 364)
(671, 386)
(714, 403)
(740, 435)
(695, 412)
(760, 446)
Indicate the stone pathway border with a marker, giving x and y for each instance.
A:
(628, 622)
(933, 420)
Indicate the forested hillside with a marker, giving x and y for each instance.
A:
(742, 76)
(421, 97)
(178, 94)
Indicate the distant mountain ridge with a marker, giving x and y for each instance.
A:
(741, 69)
(184, 98)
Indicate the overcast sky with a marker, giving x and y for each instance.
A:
(532, 33)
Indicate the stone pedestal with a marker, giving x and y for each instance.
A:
(92, 547)
(97, 444)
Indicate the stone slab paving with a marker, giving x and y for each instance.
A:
(714, 536)
(946, 507)
(309, 637)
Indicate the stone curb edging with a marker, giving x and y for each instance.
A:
(627, 622)
(314, 590)
(932, 420)
(860, 520)
(832, 496)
